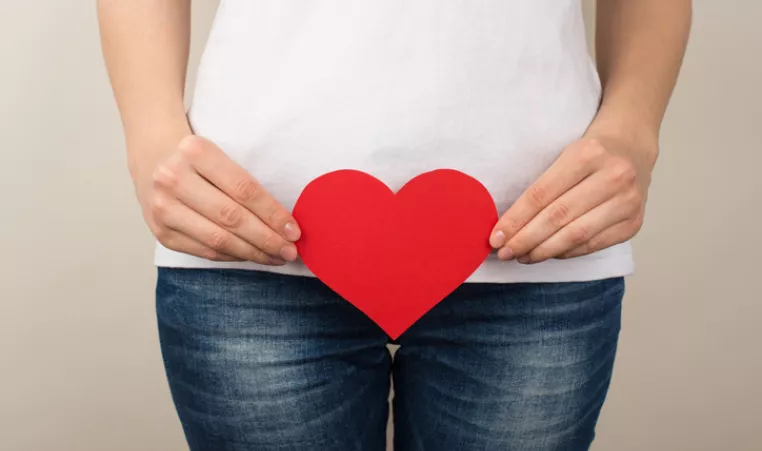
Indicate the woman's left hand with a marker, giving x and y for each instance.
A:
(591, 198)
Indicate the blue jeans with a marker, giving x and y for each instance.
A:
(260, 362)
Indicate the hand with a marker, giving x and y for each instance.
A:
(591, 198)
(198, 201)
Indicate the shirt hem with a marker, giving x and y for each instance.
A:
(603, 265)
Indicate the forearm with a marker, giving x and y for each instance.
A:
(639, 47)
(145, 45)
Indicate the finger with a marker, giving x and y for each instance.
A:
(572, 166)
(210, 202)
(214, 165)
(580, 231)
(176, 241)
(181, 218)
(584, 197)
(616, 234)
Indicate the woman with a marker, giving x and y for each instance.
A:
(259, 354)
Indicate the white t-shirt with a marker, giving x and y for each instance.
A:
(292, 89)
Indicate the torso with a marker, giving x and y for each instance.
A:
(294, 89)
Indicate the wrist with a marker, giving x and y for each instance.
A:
(149, 144)
(627, 125)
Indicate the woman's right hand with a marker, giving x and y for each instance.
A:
(198, 201)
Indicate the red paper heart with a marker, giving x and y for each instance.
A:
(394, 256)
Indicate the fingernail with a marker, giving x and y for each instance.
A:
(498, 239)
(524, 260)
(277, 261)
(505, 253)
(288, 253)
(292, 231)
